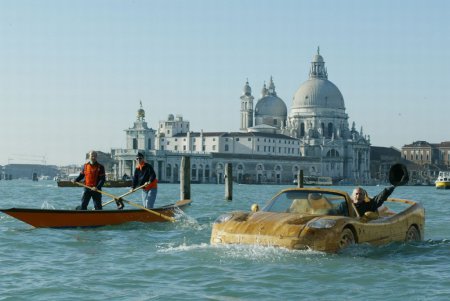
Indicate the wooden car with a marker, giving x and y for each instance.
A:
(320, 219)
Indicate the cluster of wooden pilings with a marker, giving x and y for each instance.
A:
(185, 179)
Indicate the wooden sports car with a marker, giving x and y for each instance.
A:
(320, 219)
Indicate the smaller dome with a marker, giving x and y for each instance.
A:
(270, 106)
(170, 117)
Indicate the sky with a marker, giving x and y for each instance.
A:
(72, 73)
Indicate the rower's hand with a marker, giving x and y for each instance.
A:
(94, 188)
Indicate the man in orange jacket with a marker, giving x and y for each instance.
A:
(144, 173)
(93, 174)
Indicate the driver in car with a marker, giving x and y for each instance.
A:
(363, 203)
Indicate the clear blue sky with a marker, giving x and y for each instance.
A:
(72, 73)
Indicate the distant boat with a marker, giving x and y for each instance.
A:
(443, 180)
(108, 183)
(316, 181)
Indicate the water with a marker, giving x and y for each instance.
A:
(174, 261)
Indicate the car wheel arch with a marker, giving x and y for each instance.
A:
(353, 229)
(413, 230)
(347, 237)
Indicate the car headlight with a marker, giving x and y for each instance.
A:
(322, 223)
(223, 218)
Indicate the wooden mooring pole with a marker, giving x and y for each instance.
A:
(228, 181)
(300, 179)
(185, 178)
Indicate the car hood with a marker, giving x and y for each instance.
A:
(266, 223)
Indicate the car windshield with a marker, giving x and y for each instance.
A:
(308, 202)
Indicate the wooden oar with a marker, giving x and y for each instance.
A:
(125, 194)
(169, 218)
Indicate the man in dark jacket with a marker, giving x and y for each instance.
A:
(144, 173)
(398, 175)
(363, 203)
(93, 174)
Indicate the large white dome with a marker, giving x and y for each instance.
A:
(320, 93)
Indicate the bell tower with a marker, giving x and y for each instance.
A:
(140, 137)
(246, 107)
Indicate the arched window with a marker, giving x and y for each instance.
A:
(330, 130)
(332, 153)
(168, 171)
(194, 171)
(302, 129)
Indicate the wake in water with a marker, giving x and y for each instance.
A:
(253, 253)
(414, 251)
(396, 249)
(262, 253)
(174, 248)
(185, 221)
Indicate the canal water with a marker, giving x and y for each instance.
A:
(175, 261)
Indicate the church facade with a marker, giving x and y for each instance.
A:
(273, 144)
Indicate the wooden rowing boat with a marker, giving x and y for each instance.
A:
(108, 183)
(49, 218)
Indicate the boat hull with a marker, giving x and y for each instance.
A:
(48, 218)
(110, 184)
(443, 185)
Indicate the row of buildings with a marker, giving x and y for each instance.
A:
(273, 143)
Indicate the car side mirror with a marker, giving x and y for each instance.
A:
(255, 208)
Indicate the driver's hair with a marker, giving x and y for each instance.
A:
(360, 189)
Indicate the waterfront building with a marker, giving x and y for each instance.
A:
(28, 171)
(425, 153)
(428, 159)
(272, 144)
(444, 153)
(420, 152)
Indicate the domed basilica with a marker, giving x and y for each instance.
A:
(317, 119)
(272, 146)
